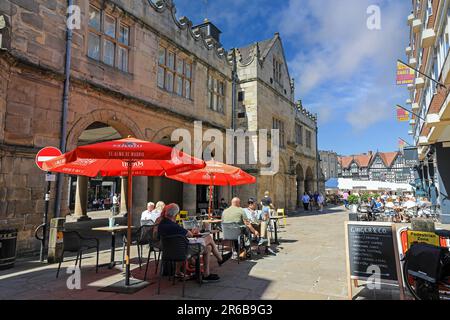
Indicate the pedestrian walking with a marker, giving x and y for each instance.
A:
(305, 200)
(320, 201)
(345, 198)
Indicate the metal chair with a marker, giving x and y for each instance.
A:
(233, 232)
(175, 249)
(74, 242)
(155, 244)
(139, 237)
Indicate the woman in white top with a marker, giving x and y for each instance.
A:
(155, 214)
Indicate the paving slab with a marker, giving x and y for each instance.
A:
(310, 264)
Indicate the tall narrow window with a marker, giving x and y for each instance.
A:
(188, 80)
(278, 124)
(216, 94)
(170, 71)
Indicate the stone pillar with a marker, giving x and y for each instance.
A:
(123, 195)
(190, 199)
(80, 213)
(140, 198)
(443, 170)
(300, 192)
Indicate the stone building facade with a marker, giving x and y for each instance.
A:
(135, 70)
(329, 164)
(265, 101)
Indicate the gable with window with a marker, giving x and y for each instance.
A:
(108, 39)
(216, 93)
(174, 73)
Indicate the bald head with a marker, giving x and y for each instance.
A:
(236, 202)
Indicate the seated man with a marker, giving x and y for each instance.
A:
(168, 227)
(235, 214)
(146, 217)
(259, 222)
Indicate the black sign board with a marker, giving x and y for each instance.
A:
(411, 156)
(372, 246)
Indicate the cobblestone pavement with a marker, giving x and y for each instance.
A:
(310, 264)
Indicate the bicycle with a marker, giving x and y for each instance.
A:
(426, 270)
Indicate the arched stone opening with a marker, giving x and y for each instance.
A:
(300, 184)
(95, 195)
(309, 180)
(165, 189)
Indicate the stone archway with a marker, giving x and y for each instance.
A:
(309, 180)
(280, 185)
(300, 184)
(119, 121)
(101, 125)
(162, 188)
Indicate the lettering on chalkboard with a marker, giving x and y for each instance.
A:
(371, 246)
(372, 255)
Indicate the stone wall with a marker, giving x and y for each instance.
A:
(31, 86)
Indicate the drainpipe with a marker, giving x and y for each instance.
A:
(65, 108)
(233, 105)
(317, 154)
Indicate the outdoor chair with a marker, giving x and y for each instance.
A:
(233, 232)
(139, 237)
(175, 250)
(155, 245)
(281, 213)
(75, 243)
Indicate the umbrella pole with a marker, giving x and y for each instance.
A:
(210, 201)
(129, 218)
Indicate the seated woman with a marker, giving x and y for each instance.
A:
(257, 224)
(168, 226)
(156, 213)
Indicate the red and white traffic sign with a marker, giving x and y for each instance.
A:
(46, 154)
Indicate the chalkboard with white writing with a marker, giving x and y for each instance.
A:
(371, 251)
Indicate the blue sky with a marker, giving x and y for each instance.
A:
(343, 71)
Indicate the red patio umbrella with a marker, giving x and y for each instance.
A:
(215, 174)
(126, 157)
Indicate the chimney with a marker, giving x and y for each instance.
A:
(208, 29)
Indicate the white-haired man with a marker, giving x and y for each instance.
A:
(146, 217)
(168, 227)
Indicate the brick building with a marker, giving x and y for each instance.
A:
(135, 70)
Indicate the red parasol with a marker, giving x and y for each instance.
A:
(127, 157)
(215, 174)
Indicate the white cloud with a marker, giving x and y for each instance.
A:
(335, 48)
